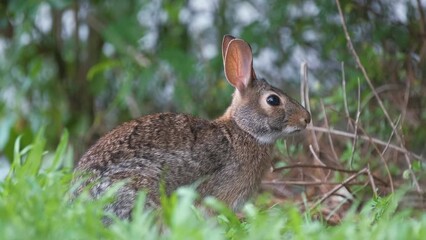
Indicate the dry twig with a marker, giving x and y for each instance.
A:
(390, 137)
(315, 155)
(366, 138)
(345, 101)
(335, 189)
(358, 113)
(371, 180)
(305, 91)
(327, 167)
(312, 183)
(330, 140)
(381, 158)
(379, 100)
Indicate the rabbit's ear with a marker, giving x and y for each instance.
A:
(225, 43)
(239, 64)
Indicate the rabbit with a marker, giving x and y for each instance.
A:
(225, 158)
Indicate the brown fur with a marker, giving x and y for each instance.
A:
(226, 157)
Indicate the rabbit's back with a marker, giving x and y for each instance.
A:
(150, 137)
(164, 145)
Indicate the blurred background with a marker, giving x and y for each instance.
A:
(88, 65)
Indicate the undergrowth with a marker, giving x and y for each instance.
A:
(35, 204)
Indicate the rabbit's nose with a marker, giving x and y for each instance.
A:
(305, 119)
(308, 118)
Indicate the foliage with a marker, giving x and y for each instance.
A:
(35, 204)
(88, 65)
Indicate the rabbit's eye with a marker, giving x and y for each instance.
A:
(273, 100)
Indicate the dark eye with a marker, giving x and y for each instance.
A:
(273, 100)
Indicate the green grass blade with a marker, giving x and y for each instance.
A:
(59, 153)
(33, 162)
(16, 158)
(17, 152)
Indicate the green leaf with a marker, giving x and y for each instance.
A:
(406, 174)
(102, 67)
(59, 153)
(33, 161)
(16, 158)
(417, 166)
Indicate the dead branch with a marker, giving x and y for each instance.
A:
(371, 180)
(335, 189)
(379, 100)
(326, 167)
(305, 90)
(358, 114)
(333, 151)
(305, 183)
(390, 137)
(385, 164)
(366, 138)
(345, 101)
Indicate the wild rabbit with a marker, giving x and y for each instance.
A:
(226, 157)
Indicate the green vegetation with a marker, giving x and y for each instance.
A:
(76, 69)
(35, 204)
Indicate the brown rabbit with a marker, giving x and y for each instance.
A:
(226, 157)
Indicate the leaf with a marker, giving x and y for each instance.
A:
(406, 174)
(417, 166)
(16, 158)
(33, 162)
(101, 67)
(59, 153)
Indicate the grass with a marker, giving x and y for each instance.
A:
(35, 204)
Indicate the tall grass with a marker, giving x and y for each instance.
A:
(35, 204)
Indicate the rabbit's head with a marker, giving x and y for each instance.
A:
(258, 108)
